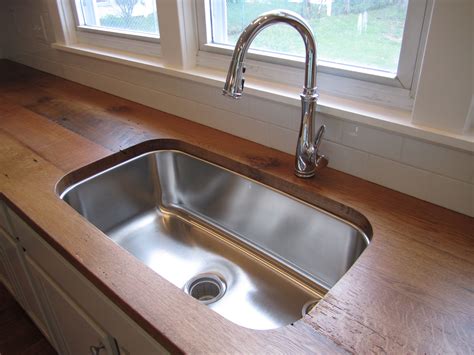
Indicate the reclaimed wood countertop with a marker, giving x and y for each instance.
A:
(411, 291)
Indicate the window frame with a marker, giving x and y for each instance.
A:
(383, 106)
(414, 36)
(139, 43)
(185, 33)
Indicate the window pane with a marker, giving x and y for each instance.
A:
(362, 33)
(136, 16)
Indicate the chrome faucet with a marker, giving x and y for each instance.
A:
(307, 158)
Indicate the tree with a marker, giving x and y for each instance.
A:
(306, 9)
(126, 6)
(347, 6)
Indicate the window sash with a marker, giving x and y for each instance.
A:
(82, 27)
(415, 26)
(186, 50)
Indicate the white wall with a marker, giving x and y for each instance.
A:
(469, 127)
(429, 171)
(446, 81)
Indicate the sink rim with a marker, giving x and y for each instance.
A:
(333, 208)
(71, 180)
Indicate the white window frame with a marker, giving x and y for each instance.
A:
(342, 80)
(184, 50)
(116, 39)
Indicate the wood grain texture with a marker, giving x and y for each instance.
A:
(18, 334)
(410, 291)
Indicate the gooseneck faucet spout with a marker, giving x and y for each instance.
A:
(307, 157)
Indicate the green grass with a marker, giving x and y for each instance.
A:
(337, 36)
(147, 24)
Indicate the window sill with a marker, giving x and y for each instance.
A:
(390, 119)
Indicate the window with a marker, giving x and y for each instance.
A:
(367, 49)
(369, 40)
(127, 16)
(129, 25)
(366, 34)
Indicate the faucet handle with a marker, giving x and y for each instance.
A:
(319, 159)
(319, 137)
(242, 79)
(321, 162)
(234, 85)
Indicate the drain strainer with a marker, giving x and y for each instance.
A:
(206, 288)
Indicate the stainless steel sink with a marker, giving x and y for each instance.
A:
(257, 256)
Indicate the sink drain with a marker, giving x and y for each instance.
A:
(206, 288)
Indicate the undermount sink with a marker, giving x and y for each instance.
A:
(259, 257)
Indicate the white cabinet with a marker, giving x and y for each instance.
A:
(78, 331)
(20, 283)
(75, 316)
(3, 218)
(9, 255)
(6, 274)
(74, 331)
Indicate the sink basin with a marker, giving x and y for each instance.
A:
(259, 257)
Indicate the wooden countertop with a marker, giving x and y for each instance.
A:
(412, 290)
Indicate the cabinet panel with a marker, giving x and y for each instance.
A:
(79, 291)
(11, 263)
(55, 338)
(5, 269)
(22, 284)
(5, 274)
(132, 339)
(75, 331)
(3, 218)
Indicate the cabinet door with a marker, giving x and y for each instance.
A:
(8, 255)
(5, 272)
(19, 278)
(6, 275)
(3, 218)
(53, 278)
(75, 332)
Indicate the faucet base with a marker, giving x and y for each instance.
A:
(321, 162)
(305, 174)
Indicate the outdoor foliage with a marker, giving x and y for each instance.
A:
(126, 6)
(134, 23)
(338, 37)
(341, 37)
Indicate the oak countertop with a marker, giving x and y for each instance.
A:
(412, 290)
